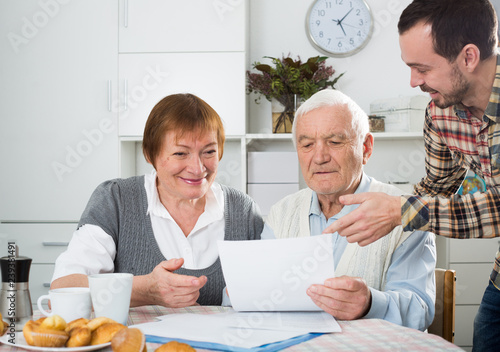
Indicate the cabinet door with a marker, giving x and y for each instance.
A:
(58, 138)
(43, 243)
(480, 250)
(182, 26)
(40, 277)
(464, 325)
(217, 78)
(472, 279)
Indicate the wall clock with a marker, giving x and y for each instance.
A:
(339, 28)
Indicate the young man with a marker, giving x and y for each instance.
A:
(451, 49)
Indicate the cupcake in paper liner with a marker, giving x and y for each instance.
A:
(49, 337)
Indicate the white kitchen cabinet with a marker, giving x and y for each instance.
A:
(272, 175)
(217, 78)
(171, 46)
(472, 259)
(464, 325)
(58, 139)
(149, 26)
(42, 242)
(40, 276)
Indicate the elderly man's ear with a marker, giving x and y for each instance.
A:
(367, 148)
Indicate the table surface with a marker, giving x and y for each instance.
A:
(357, 335)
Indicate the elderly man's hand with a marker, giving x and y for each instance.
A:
(346, 298)
(377, 215)
(163, 287)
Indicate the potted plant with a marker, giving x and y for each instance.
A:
(288, 82)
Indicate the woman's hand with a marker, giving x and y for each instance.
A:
(165, 288)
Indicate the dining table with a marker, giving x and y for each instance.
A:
(357, 335)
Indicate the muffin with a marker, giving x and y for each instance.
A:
(54, 322)
(174, 346)
(104, 333)
(43, 337)
(76, 323)
(28, 329)
(96, 322)
(79, 336)
(129, 340)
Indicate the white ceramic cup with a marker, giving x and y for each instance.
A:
(70, 303)
(111, 295)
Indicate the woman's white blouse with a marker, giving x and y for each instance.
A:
(91, 250)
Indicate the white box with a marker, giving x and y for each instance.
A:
(273, 167)
(403, 120)
(402, 114)
(267, 194)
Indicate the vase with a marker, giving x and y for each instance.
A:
(283, 111)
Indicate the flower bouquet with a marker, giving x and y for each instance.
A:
(288, 82)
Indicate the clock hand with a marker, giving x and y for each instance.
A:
(340, 21)
(350, 25)
(340, 24)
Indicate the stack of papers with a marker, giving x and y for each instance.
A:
(236, 331)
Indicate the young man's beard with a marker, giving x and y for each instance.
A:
(460, 89)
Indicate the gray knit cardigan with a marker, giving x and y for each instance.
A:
(119, 207)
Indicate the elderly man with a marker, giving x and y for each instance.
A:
(392, 279)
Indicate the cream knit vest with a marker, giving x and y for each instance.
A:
(290, 218)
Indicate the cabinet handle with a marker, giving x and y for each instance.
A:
(46, 284)
(109, 95)
(125, 95)
(55, 244)
(125, 19)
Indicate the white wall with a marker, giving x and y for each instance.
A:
(278, 27)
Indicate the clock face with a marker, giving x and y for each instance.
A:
(339, 27)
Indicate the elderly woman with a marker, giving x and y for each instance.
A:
(164, 227)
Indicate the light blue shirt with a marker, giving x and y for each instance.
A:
(408, 298)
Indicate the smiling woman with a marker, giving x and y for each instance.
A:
(184, 140)
(164, 227)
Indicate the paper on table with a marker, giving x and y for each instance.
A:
(273, 275)
(304, 322)
(210, 328)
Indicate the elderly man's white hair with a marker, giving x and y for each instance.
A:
(333, 97)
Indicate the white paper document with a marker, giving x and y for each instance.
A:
(303, 322)
(209, 328)
(246, 330)
(273, 275)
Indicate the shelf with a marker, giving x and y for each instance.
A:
(398, 135)
(249, 137)
(130, 138)
(268, 136)
(376, 135)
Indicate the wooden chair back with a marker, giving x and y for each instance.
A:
(444, 319)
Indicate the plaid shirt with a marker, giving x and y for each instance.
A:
(456, 141)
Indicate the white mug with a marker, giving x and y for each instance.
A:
(70, 303)
(111, 295)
